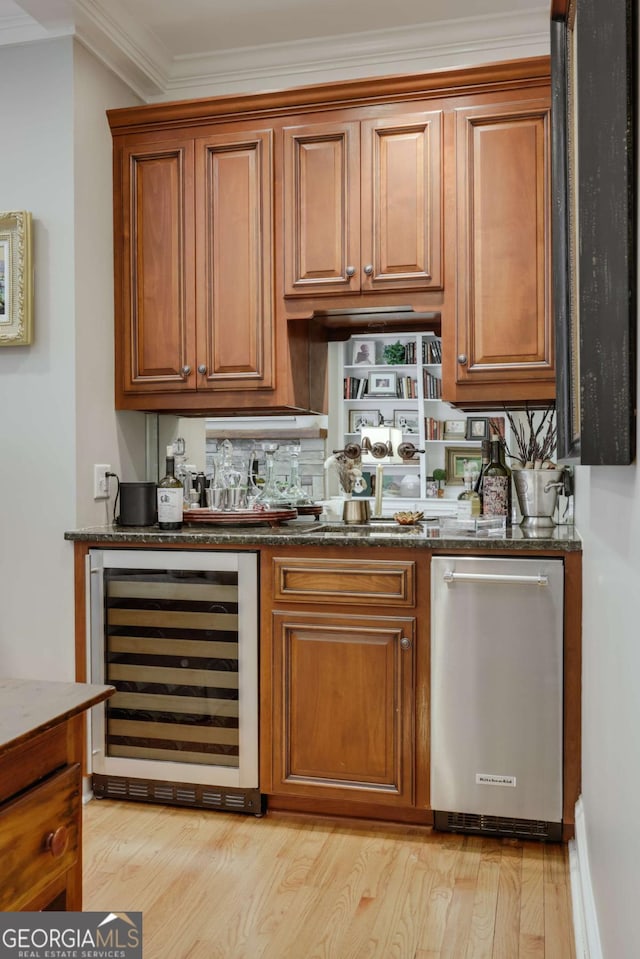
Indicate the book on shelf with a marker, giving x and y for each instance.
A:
(433, 429)
(432, 351)
(407, 388)
(432, 386)
(354, 387)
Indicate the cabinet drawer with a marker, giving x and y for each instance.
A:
(33, 760)
(356, 582)
(39, 837)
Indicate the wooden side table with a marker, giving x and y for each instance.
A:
(41, 757)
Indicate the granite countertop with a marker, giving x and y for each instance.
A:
(309, 533)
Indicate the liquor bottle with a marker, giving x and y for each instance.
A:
(486, 458)
(470, 496)
(170, 496)
(495, 487)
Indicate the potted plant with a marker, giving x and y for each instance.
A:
(394, 353)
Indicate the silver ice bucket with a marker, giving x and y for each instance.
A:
(537, 492)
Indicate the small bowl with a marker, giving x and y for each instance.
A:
(407, 519)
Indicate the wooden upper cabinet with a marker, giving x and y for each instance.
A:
(155, 289)
(234, 290)
(194, 287)
(362, 205)
(321, 208)
(401, 223)
(503, 330)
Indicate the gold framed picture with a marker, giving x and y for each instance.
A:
(16, 285)
(455, 458)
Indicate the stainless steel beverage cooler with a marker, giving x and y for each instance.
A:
(496, 695)
(176, 632)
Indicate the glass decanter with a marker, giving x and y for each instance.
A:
(293, 491)
(271, 495)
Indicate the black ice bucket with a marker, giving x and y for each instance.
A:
(138, 504)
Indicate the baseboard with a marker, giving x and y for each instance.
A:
(585, 920)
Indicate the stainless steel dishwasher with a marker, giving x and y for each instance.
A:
(496, 695)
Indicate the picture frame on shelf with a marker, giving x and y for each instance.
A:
(363, 352)
(382, 383)
(16, 279)
(406, 420)
(477, 428)
(360, 418)
(367, 489)
(455, 457)
(455, 429)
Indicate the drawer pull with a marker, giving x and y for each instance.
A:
(56, 842)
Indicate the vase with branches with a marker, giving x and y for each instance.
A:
(532, 444)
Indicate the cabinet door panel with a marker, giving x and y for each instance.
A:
(401, 207)
(157, 285)
(321, 207)
(504, 323)
(235, 289)
(343, 701)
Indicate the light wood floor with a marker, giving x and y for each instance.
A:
(218, 885)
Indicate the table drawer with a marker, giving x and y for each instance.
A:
(25, 764)
(349, 581)
(39, 833)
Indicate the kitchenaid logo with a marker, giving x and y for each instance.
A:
(71, 935)
(488, 779)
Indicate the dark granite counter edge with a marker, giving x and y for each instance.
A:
(561, 538)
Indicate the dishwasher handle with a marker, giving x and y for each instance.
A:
(450, 577)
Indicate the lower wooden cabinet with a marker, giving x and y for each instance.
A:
(343, 706)
(344, 682)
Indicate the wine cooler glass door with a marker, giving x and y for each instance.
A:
(176, 634)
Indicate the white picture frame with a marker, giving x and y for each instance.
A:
(382, 383)
(363, 352)
(360, 418)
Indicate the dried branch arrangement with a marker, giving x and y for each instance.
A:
(534, 444)
(348, 469)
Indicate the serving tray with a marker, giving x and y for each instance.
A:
(312, 509)
(238, 517)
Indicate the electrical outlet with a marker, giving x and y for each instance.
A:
(101, 481)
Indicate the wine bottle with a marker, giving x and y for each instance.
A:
(170, 496)
(470, 496)
(495, 487)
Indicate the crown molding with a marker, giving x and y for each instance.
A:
(440, 45)
(135, 55)
(123, 44)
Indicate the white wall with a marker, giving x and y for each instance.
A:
(608, 518)
(37, 383)
(102, 436)
(49, 414)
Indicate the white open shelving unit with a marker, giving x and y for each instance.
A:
(416, 410)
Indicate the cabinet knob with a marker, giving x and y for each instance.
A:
(350, 271)
(405, 643)
(368, 269)
(185, 370)
(56, 842)
(202, 369)
(462, 359)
